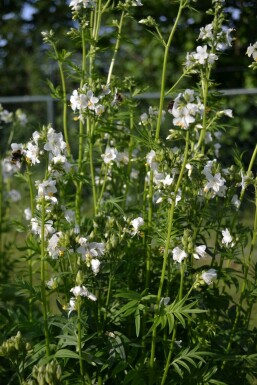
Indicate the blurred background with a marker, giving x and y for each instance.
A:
(25, 64)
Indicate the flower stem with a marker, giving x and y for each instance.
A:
(205, 87)
(64, 99)
(91, 163)
(167, 245)
(117, 45)
(174, 332)
(42, 279)
(32, 209)
(182, 4)
(164, 69)
(80, 341)
(245, 278)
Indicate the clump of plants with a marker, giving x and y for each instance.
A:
(137, 267)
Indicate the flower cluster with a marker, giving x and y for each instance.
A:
(215, 182)
(252, 51)
(112, 155)
(5, 115)
(186, 108)
(76, 5)
(148, 118)
(202, 56)
(84, 100)
(220, 39)
(227, 238)
(180, 254)
(89, 252)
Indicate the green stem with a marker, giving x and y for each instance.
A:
(42, 279)
(32, 209)
(91, 164)
(182, 4)
(205, 87)
(64, 99)
(249, 171)
(129, 166)
(177, 82)
(81, 367)
(245, 280)
(167, 245)
(149, 226)
(174, 332)
(164, 68)
(81, 132)
(103, 186)
(117, 45)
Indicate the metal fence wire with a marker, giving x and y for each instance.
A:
(49, 101)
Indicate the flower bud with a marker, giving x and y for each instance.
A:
(79, 278)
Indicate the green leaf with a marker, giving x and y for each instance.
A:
(137, 321)
(66, 353)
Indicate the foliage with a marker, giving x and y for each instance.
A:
(132, 263)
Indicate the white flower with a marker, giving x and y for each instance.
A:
(208, 276)
(55, 143)
(123, 157)
(215, 182)
(136, 224)
(252, 51)
(76, 101)
(69, 215)
(189, 167)
(182, 117)
(27, 214)
(72, 305)
(17, 147)
(206, 32)
(99, 109)
(95, 264)
(36, 136)
(228, 112)
(8, 168)
(54, 248)
(52, 283)
(201, 54)
(244, 179)
(137, 3)
(168, 180)
(32, 153)
(90, 250)
(22, 117)
(227, 239)
(150, 160)
(236, 202)
(144, 119)
(134, 173)
(91, 100)
(60, 160)
(14, 195)
(82, 291)
(76, 5)
(36, 227)
(200, 252)
(179, 255)
(46, 188)
(109, 155)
